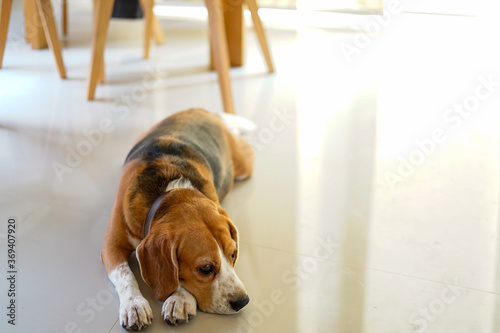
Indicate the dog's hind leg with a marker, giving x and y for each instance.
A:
(242, 155)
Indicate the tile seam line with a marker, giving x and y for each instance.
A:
(434, 281)
(113, 326)
(384, 271)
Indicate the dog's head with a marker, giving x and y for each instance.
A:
(195, 245)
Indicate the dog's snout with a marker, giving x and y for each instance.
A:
(240, 303)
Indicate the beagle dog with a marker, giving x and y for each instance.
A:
(167, 210)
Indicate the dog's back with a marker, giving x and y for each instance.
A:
(193, 135)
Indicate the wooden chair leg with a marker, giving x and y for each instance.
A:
(157, 30)
(221, 55)
(148, 18)
(49, 27)
(261, 35)
(65, 17)
(102, 73)
(5, 10)
(32, 23)
(103, 10)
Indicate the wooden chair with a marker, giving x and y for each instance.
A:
(217, 38)
(157, 32)
(156, 29)
(44, 8)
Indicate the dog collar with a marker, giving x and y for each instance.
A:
(152, 211)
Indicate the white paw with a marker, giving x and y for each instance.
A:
(135, 314)
(179, 307)
(238, 125)
(243, 177)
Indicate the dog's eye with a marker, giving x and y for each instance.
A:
(206, 270)
(233, 256)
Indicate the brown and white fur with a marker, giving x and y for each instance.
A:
(189, 254)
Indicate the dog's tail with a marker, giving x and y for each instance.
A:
(238, 125)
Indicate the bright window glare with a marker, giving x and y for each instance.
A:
(322, 13)
(344, 4)
(189, 12)
(285, 18)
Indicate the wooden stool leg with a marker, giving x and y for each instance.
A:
(261, 35)
(157, 30)
(4, 25)
(148, 18)
(221, 56)
(102, 15)
(49, 26)
(65, 17)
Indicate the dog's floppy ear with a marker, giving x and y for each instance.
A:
(157, 256)
(234, 236)
(232, 230)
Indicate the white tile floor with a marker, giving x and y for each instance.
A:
(373, 207)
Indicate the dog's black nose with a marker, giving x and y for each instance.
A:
(239, 304)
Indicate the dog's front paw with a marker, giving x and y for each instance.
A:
(135, 314)
(179, 307)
